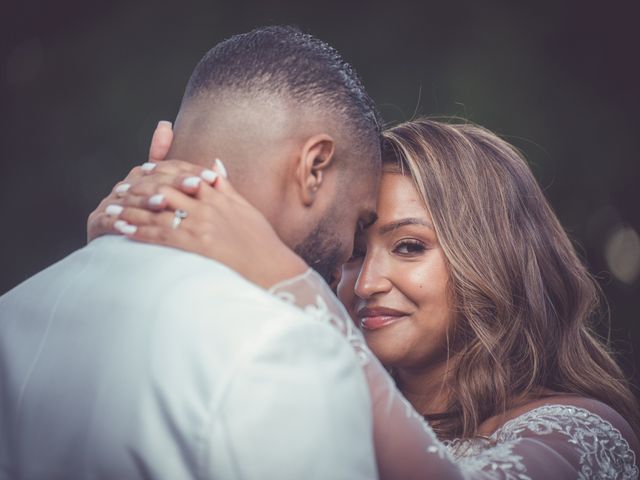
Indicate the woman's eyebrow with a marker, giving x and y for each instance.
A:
(389, 227)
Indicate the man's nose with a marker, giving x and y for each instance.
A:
(373, 277)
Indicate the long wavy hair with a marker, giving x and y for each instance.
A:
(526, 307)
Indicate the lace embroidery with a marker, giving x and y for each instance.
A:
(603, 452)
(497, 460)
(320, 311)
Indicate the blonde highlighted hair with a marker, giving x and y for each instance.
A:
(525, 304)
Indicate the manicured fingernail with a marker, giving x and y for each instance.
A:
(113, 210)
(221, 168)
(209, 176)
(122, 188)
(165, 123)
(191, 182)
(124, 227)
(148, 166)
(156, 200)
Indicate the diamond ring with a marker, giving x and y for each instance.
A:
(178, 217)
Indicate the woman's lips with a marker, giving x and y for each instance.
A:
(376, 318)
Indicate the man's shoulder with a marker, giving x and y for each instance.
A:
(201, 292)
(152, 267)
(114, 277)
(114, 257)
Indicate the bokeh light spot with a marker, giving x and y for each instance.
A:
(622, 252)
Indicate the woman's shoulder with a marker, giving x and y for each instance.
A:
(558, 405)
(581, 421)
(560, 435)
(569, 407)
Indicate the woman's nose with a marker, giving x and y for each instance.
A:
(372, 278)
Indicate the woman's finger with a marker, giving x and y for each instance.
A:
(101, 223)
(172, 167)
(156, 197)
(140, 217)
(161, 141)
(218, 166)
(216, 178)
(134, 176)
(224, 186)
(173, 199)
(190, 184)
(120, 188)
(150, 184)
(128, 220)
(135, 173)
(131, 200)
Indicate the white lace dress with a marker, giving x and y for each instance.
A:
(555, 441)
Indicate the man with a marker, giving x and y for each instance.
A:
(126, 360)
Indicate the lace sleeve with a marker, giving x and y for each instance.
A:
(553, 441)
(545, 444)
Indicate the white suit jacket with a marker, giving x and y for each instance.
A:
(132, 361)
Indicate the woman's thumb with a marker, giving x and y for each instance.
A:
(161, 141)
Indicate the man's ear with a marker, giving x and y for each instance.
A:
(316, 156)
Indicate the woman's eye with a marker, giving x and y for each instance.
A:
(410, 247)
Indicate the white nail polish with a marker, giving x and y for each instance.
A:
(209, 176)
(221, 168)
(148, 166)
(129, 229)
(124, 227)
(191, 182)
(156, 200)
(165, 123)
(113, 210)
(122, 188)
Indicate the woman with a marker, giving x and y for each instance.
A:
(469, 292)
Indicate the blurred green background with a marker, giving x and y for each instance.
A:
(83, 84)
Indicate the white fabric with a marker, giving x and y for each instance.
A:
(132, 361)
(579, 441)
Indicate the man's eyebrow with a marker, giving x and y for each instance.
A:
(389, 227)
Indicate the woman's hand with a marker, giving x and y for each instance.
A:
(98, 222)
(137, 184)
(188, 213)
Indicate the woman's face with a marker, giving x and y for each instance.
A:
(396, 284)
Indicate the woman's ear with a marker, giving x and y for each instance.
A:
(316, 156)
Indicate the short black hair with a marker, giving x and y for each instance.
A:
(283, 60)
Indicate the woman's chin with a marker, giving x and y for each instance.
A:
(389, 352)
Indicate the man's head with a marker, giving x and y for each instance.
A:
(297, 131)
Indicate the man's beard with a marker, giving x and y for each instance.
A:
(321, 250)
